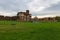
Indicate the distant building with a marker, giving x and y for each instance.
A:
(36, 18)
(24, 16)
(51, 19)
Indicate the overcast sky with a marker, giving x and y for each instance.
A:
(36, 7)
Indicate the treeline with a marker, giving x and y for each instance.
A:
(57, 18)
(8, 17)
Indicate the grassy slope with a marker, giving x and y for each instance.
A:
(10, 30)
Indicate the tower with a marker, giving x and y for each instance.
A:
(27, 11)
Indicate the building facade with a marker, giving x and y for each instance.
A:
(24, 16)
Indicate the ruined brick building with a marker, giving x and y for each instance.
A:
(24, 16)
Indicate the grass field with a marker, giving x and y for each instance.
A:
(12, 30)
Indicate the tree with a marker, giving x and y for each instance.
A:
(58, 18)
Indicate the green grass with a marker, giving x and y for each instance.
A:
(12, 30)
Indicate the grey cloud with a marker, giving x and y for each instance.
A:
(13, 5)
(54, 7)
